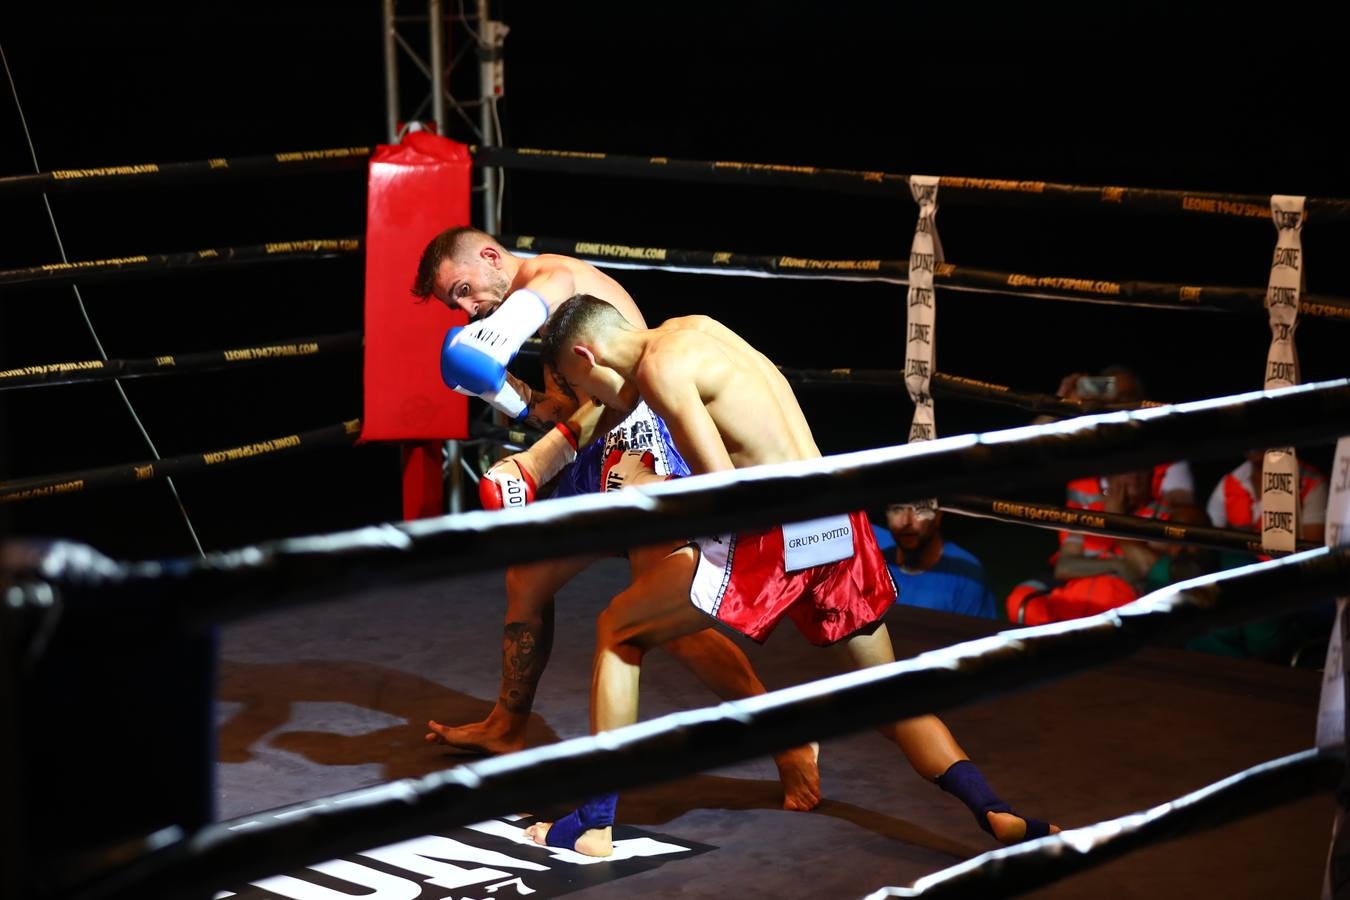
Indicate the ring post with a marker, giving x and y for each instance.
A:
(417, 189)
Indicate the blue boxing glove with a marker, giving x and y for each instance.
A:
(474, 357)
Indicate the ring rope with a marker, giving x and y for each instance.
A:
(78, 371)
(943, 385)
(974, 389)
(1116, 525)
(1243, 301)
(293, 571)
(687, 742)
(22, 489)
(107, 369)
(1015, 870)
(1148, 294)
(91, 269)
(345, 434)
(984, 191)
(304, 162)
(956, 386)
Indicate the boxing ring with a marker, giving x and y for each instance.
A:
(62, 597)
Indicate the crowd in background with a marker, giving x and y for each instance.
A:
(1089, 573)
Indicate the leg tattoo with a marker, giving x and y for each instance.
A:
(525, 650)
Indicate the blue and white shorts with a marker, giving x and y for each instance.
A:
(642, 430)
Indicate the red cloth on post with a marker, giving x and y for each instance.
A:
(417, 189)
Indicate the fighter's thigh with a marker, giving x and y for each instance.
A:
(640, 559)
(530, 587)
(655, 608)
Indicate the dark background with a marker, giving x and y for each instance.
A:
(1135, 95)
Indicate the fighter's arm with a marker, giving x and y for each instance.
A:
(1132, 565)
(474, 357)
(1071, 563)
(670, 385)
(1312, 519)
(548, 407)
(552, 281)
(560, 403)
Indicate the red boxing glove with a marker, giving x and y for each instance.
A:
(628, 468)
(506, 486)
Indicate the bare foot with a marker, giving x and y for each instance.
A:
(800, 774)
(593, 842)
(480, 737)
(1010, 829)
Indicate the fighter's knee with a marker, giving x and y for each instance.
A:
(614, 632)
(618, 633)
(607, 627)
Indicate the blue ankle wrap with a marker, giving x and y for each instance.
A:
(594, 813)
(965, 781)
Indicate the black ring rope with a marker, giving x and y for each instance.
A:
(956, 386)
(1012, 871)
(156, 263)
(942, 385)
(22, 489)
(1116, 525)
(47, 374)
(1243, 301)
(1237, 300)
(304, 162)
(955, 189)
(1038, 515)
(312, 347)
(232, 584)
(696, 740)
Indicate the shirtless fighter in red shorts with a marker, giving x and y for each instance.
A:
(728, 407)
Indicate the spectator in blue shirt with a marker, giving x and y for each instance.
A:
(929, 571)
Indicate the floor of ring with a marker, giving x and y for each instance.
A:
(329, 698)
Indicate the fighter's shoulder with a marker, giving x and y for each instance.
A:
(682, 335)
(688, 328)
(544, 263)
(671, 354)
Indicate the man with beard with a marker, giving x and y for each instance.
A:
(507, 299)
(929, 571)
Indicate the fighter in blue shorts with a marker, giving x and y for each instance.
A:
(508, 298)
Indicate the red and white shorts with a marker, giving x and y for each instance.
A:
(827, 574)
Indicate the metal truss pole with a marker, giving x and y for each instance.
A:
(487, 60)
(436, 22)
(390, 68)
(490, 36)
(436, 36)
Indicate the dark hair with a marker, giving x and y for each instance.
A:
(569, 320)
(446, 245)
